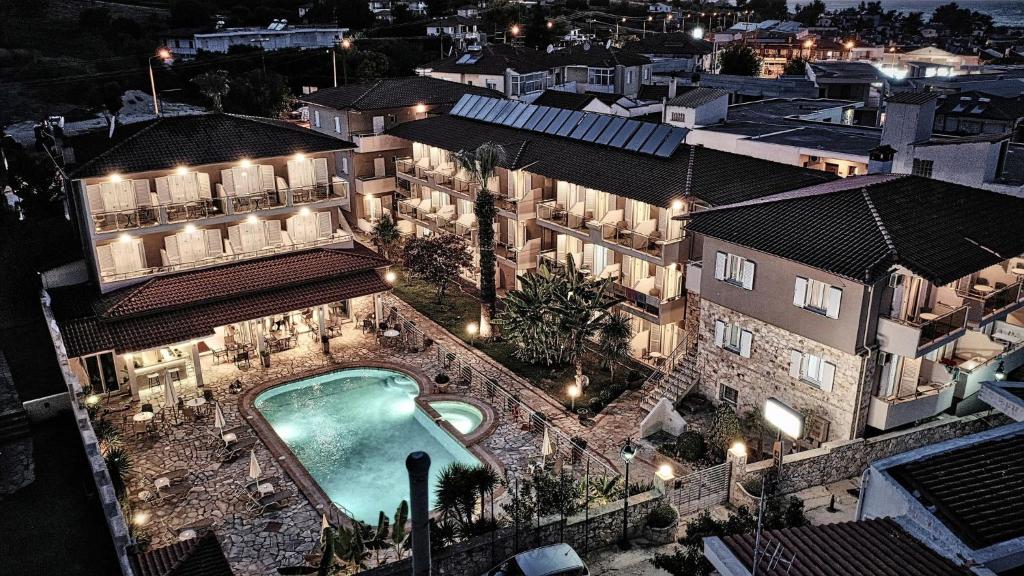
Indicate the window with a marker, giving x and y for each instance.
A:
(344, 164)
(735, 270)
(812, 369)
(679, 116)
(817, 296)
(337, 124)
(647, 74)
(629, 76)
(728, 395)
(491, 84)
(922, 168)
(601, 76)
(316, 118)
(733, 337)
(527, 83)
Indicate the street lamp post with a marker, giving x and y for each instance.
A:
(627, 453)
(163, 54)
(574, 391)
(787, 421)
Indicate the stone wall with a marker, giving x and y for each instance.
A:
(766, 373)
(835, 461)
(480, 554)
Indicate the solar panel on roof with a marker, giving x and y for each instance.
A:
(627, 130)
(655, 139)
(465, 104)
(570, 123)
(613, 127)
(584, 125)
(516, 113)
(549, 116)
(461, 104)
(471, 112)
(506, 109)
(668, 147)
(531, 124)
(557, 122)
(482, 113)
(595, 130)
(521, 121)
(640, 136)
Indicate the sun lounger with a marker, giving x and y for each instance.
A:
(275, 500)
(236, 449)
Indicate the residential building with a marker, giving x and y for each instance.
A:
(601, 102)
(278, 36)
(241, 250)
(926, 62)
(361, 113)
(601, 189)
(524, 72)
(858, 81)
(972, 113)
(673, 52)
(462, 29)
(871, 302)
(749, 88)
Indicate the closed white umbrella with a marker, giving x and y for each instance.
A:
(218, 417)
(170, 394)
(546, 449)
(254, 465)
(323, 527)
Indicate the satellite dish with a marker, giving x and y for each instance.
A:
(550, 49)
(586, 45)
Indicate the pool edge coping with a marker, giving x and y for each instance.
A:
(298, 473)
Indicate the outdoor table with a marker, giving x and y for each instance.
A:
(187, 534)
(391, 333)
(195, 402)
(162, 482)
(983, 288)
(265, 488)
(1017, 271)
(143, 417)
(927, 316)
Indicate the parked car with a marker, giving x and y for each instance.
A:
(554, 560)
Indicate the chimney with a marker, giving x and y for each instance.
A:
(909, 118)
(418, 465)
(672, 84)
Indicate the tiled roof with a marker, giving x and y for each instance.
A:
(494, 59)
(563, 99)
(171, 141)
(674, 43)
(981, 105)
(977, 490)
(911, 97)
(190, 305)
(396, 93)
(201, 556)
(697, 97)
(709, 175)
(860, 226)
(846, 72)
(863, 548)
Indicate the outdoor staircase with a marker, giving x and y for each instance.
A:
(675, 380)
(14, 425)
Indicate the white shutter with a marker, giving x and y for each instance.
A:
(316, 118)
(291, 224)
(125, 195)
(588, 252)
(105, 260)
(163, 190)
(95, 197)
(198, 241)
(227, 179)
(720, 265)
(320, 172)
(800, 292)
(297, 174)
(337, 124)
(203, 181)
(323, 223)
(108, 191)
(235, 239)
(748, 275)
(746, 338)
(828, 376)
(190, 187)
(656, 339)
(274, 233)
(795, 358)
(142, 196)
(171, 247)
(214, 244)
(267, 177)
(835, 297)
(719, 333)
(186, 248)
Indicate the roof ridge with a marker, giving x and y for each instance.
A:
(688, 186)
(117, 146)
(130, 293)
(878, 220)
(372, 87)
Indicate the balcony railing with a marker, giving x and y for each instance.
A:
(550, 211)
(984, 305)
(938, 328)
(652, 244)
(507, 251)
(405, 166)
(226, 258)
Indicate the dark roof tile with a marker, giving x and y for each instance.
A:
(201, 556)
(396, 93)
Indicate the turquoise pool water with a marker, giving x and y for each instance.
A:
(464, 417)
(353, 429)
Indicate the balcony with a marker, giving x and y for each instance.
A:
(371, 185)
(927, 401)
(653, 308)
(988, 303)
(443, 179)
(522, 257)
(369, 141)
(914, 338)
(559, 219)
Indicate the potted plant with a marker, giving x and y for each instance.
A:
(325, 342)
(265, 358)
(579, 445)
(441, 382)
(661, 524)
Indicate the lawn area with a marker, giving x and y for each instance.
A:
(55, 525)
(458, 309)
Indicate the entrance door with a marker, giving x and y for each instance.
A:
(102, 374)
(378, 167)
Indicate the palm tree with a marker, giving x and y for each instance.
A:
(455, 494)
(350, 546)
(385, 236)
(579, 303)
(482, 165)
(486, 480)
(527, 320)
(214, 85)
(613, 339)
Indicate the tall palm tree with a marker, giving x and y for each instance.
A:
(482, 165)
(527, 320)
(385, 236)
(214, 85)
(486, 480)
(580, 307)
(613, 339)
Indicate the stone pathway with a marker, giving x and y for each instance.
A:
(818, 498)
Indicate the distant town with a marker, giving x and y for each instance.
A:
(511, 288)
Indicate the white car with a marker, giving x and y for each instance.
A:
(554, 560)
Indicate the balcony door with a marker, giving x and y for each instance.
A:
(307, 172)
(102, 373)
(247, 237)
(379, 171)
(124, 256)
(183, 188)
(303, 228)
(192, 246)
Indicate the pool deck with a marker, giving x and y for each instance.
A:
(260, 544)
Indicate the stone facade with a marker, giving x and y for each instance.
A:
(766, 373)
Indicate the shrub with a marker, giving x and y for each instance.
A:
(690, 446)
(662, 517)
(725, 429)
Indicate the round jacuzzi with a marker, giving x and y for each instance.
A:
(463, 416)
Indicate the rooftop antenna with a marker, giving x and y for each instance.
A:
(768, 553)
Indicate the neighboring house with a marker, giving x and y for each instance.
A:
(858, 81)
(898, 64)
(779, 47)
(749, 88)
(520, 72)
(598, 102)
(202, 234)
(872, 302)
(673, 52)
(361, 113)
(809, 132)
(273, 38)
(601, 188)
(460, 28)
(972, 113)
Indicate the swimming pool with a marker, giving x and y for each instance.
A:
(463, 416)
(352, 430)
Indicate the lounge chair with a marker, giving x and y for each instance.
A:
(175, 491)
(275, 500)
(236, 449)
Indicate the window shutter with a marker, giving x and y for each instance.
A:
(337, 124)
(835, 296)
(95, 198)
(800, 292)
(274, 233)
(171, 247)
(292, 227)
(105, 260)
(828, 375)
(297, 174)
(720, 266)
(190, 187)
(323, 222)
(320, 173)
(163, 190)
(316, 118)
(227, 179)
(142, 197)
(795, 358)
(125, 195)
(214, 243)
(108, 191)
(203, 181)
(235, 238)
(746, 338)
(267, 177)
(719, 333)
(748, 275)
(140, 263)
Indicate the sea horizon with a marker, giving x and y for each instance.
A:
(1003, 12)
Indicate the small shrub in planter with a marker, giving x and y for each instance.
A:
(578, 446)
(661, 524)
(690, 446)
(442, 379)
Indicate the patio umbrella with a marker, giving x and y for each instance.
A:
(254, 465)
(546, 449)
(171, 396)
(218, 417)
(324, 525)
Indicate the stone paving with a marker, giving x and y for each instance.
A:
(260, 544)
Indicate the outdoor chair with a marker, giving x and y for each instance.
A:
(147, 407)
(275, 500)
(236, 449)
(174, 491)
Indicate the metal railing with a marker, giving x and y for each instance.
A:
(948, 323)
(652, 244)
(550, 211)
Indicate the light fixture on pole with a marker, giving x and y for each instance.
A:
(788, 422)
(628, 452)
(390, 277)
(472, 329)
(573, 391)
(163, 54)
